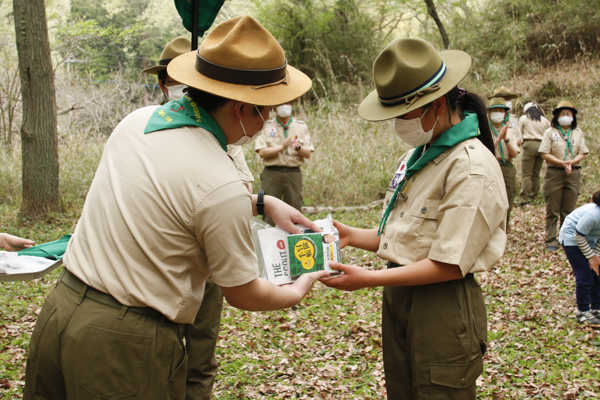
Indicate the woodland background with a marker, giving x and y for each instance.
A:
(330, 345)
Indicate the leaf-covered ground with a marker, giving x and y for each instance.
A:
(329, 346)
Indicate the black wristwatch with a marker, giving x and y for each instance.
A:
(260, 203)
(298, 147)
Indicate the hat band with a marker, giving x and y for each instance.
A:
(410, 97)
(164, 61)
(240, 76)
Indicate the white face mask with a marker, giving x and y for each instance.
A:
(565, 120)
(411, 130)
(497, 117)
(284, 111)
(249, 139)
(509, 104)
(175, 92)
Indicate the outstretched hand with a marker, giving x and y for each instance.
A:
(286, 216)
(14, 243)
(344, 232)
(353, 277)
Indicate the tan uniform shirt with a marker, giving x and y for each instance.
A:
(555, 143)
(532, 129)
(511, 136)
(453, 212)
(513, 122)
(273, 135)
(237, 154)
(165, 210)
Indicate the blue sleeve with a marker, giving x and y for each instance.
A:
(586, 223)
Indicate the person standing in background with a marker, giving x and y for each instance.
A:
(284, 146)
(532, 125)
(563, 148)
(506, 149)
(201, 336)
(579, 238)
(511, 120)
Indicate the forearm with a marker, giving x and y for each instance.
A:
(365, 239)
(549, 158)
(513, 149)
(423, 272)
(578, 158)
(262, 295)
(583, 245)
(269, 152)
(304, 152)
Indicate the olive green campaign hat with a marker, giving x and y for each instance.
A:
(564, 104)
(503, 91)
(240, 60)
(409, 73)
(174, 48)
(497, 102)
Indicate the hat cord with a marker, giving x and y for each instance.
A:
(285, 81)
(412, 98)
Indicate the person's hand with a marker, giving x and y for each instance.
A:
(344, 232)
(502, 133)
(353, 277)
(305, 282)
(14, 243)
(567, 165)
(595, 264)
(286, 143)
(285, 216)
(296, 143)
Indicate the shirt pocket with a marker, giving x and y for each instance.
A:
(424, 221)
(273, 140)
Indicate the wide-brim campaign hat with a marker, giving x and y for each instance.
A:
(564, 104)
(409, 73)
(240, 60)
(503, 92)
(174, 48)
(497, 102)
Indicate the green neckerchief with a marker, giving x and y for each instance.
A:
(466, 129)
(568, 140)
(499, 144)
(285, 129)
(184, 112)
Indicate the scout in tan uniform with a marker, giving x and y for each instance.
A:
(444, 220)
(284, 147)
(166, 210)
(532, 125)
(511, 120)
(563, 147)
(506, 148)
(201, 336)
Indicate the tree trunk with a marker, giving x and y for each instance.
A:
(433, 14)
(39, 139)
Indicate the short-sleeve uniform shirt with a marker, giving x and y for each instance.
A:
(554, 142)
(510, 135)
(165, 210)
(454, 211)
(274, 135)
(532, 129)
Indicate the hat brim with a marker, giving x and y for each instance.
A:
(154, 70)
(457, 64)
(557, 110)
(503, 107)
(503, 95)
(182, 69)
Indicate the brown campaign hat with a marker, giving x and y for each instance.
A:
(241, 60)
(174, 48)
(564, 104)
(497, 102)
(410, 73)
(503, 91)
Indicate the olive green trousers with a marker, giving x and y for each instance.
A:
(285, 184)
(434, 338)
(82, 348)
(509, 172)
(561, 191)
(531, 165)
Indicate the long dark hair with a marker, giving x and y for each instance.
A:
(557, 114)
(534, 113)
(461, 100)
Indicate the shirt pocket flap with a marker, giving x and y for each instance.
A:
(457, 376)
(425, 208)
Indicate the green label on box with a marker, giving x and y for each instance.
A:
(306, 253)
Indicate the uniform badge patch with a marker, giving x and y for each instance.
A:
(400, 173)
(272, 132)
(556, 137)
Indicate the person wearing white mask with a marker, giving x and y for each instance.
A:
(284, 146)
(166, 210)
(532, 125)
(506, 149)
(511, 120)
(563, 148)
(202, 335)
(444, 219)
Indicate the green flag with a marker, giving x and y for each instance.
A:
(53, 250)
(208, 12)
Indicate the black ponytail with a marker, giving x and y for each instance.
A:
(460, 100)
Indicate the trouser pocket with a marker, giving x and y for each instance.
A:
(114, 362)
